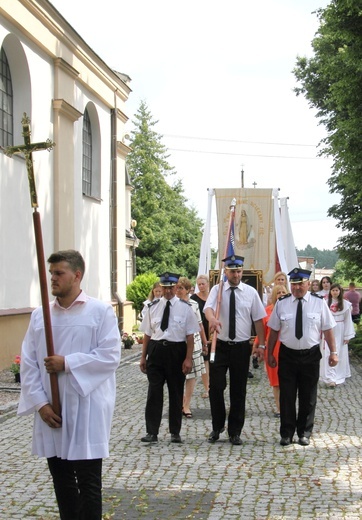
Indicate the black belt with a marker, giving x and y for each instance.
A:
(165, 343)
(301, 351)
(235, 343)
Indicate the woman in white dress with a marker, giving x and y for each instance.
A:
(344, 331)
(324, 286)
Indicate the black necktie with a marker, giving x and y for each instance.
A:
(232, 313)
(299, 320)
(166, 314)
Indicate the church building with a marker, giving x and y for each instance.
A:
(75, 100)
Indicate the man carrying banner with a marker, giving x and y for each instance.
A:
(239, 307)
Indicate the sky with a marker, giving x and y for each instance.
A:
(217, 76)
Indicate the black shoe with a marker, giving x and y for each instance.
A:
(149, 438)
(235, 440)
(304, 441)
(175, 437)
(285, 441)
(214, 435)
(250, 375)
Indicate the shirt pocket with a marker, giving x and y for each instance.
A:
(180, 323)
(286, 321)
(155, 322)
(313, 319)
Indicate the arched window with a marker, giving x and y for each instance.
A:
(87, 155)
(6, 102)
(91, 166)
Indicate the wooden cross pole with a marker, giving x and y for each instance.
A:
(27, 150)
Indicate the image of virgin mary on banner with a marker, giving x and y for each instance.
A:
(254, 230)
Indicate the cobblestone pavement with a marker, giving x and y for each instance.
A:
(195, 480)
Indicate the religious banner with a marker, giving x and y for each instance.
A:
(254, 228)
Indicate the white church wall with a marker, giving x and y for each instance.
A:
(55, 77)
(19, 266)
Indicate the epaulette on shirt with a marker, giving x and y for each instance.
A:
(283, 297)
(153, 302)
(184, 301)
(317, 295)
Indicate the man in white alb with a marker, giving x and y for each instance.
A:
(87, 346)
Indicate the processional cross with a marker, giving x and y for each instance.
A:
(27, 150)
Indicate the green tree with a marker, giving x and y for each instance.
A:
(332, 83)
(326, 258)
(169, 231)
(346, 272)
(138, 290)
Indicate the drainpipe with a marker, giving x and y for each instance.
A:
(113, 220)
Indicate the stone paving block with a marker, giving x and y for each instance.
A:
(150, 503)
(257, 481)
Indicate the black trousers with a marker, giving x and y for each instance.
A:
(78, 488)
(235, 359)
(164, 365)
(298, 372)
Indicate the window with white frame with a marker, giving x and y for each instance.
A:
(91, 165)
(6, 102)
(87, 155)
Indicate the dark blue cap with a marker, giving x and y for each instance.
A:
(169, 279)
(298, 275)
(233, 262)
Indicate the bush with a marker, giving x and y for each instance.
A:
(355, 344)
(138, 291)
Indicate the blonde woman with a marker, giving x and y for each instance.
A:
(156, 292)
(183, 288)
(314, 286)
(280, 278)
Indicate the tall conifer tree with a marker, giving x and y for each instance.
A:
(169, 231)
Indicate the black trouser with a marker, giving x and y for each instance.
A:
(298, 372)
(78, 488)
(236, 359)
(164, 365)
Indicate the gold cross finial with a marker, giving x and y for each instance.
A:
(27, 149)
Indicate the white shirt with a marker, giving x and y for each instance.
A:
(248, 308)
(87, 335)
(145, 305)
(197, 337)
(316, 319)
(182, 321)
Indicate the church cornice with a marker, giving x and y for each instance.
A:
(66, 109)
